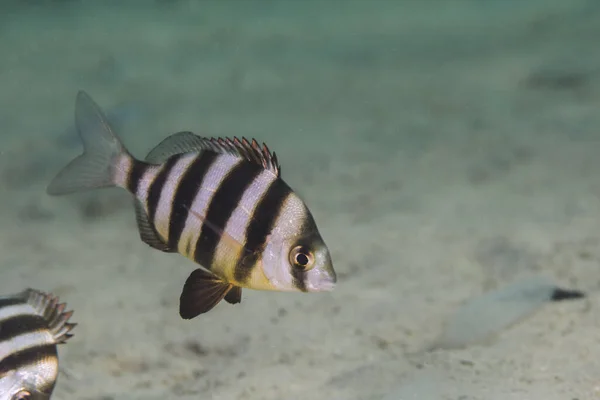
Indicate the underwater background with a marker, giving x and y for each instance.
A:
(447, 149)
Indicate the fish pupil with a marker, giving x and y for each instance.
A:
(302, 259)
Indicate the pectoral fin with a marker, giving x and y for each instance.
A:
(202, 291)
(226, 238)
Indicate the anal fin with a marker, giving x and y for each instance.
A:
(201, 292)
(234, 296)
(147, 232)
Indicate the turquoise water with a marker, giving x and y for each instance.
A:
(446, 148)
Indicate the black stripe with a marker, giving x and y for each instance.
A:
(21, 324)
(263, 220)
(299, 274)
(298, 278)
(135, 175)
(157, 186)
(23, 358)
(186, 192)
(222, 205)
(12, 301)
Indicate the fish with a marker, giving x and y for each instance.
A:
(32, 325)
(220, 202)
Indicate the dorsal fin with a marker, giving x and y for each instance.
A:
(48, 307)
(187, 142)
(177, 143)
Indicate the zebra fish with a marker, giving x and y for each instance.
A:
(221, 202)
(32, 324)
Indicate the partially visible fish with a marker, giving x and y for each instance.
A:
(32, 324)
(220, 202)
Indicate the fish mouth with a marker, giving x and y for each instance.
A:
(325, 283)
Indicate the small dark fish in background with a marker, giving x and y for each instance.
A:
(482, 317)
(32, 324)
(220, 202)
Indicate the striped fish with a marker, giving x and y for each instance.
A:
(220, 202)
(32, 323)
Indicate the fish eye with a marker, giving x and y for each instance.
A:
(22, 395)
(302, 257)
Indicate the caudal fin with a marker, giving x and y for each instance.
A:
(102, 152)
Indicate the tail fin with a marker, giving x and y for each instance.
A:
(102, 152)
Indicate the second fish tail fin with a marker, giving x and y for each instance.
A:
(104, 161)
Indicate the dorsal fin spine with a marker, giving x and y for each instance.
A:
(48, 307)
(248, 149)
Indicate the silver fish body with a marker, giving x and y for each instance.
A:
(220, 202)
(32, 324)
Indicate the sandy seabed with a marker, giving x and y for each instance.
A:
(444, 147)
